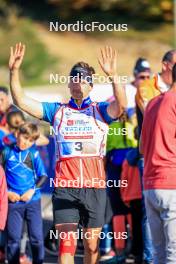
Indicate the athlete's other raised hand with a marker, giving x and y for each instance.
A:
(108, 61)
(16, 56)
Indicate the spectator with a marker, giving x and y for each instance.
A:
(131, 196)
(141, 72)
(15, 119)
(24, 193)
(5, 105)
(147, 90)
(158, 147)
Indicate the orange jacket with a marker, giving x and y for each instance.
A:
(133, 190)
(148, 90)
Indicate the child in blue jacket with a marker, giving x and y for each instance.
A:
(25, 174)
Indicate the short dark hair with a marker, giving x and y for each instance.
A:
(85, 66)
(174, 73)
(89, 69)
(4, 90)
(30, 129)
(168, 56)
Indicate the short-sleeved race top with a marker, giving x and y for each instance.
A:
(79, 142)
(50, 109)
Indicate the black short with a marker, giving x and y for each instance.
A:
(79, 205)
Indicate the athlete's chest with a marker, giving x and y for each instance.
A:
(78, 121)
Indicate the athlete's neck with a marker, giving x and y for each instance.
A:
(78, 102)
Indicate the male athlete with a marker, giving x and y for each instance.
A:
(81, 127)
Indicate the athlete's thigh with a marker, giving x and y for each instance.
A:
(65, 208)
(92, 211)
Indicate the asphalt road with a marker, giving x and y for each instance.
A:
(52, 260)
(79, 260)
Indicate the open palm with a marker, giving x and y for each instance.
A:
(108, 61)
(16, 56)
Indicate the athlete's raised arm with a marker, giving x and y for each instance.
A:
(108, 63)
(24, 102)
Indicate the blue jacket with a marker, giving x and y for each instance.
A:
(22, 169)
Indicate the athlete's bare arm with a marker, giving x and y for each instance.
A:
(29, 105)
(108, 63)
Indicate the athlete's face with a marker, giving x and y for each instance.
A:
(4, 102)
(79, 90)
(140, 77)
(24, 141)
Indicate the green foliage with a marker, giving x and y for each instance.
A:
(145, 9)
(37, 59)
(67, 9)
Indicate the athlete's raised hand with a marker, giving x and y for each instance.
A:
(27, 104)
(108, 61)
(16, 56)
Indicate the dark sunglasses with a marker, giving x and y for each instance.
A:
(143, 77)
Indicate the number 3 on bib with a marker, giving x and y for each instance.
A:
(78, 146)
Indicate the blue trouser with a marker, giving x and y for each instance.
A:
(2, 239)
(31, 212)
(147, 240)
